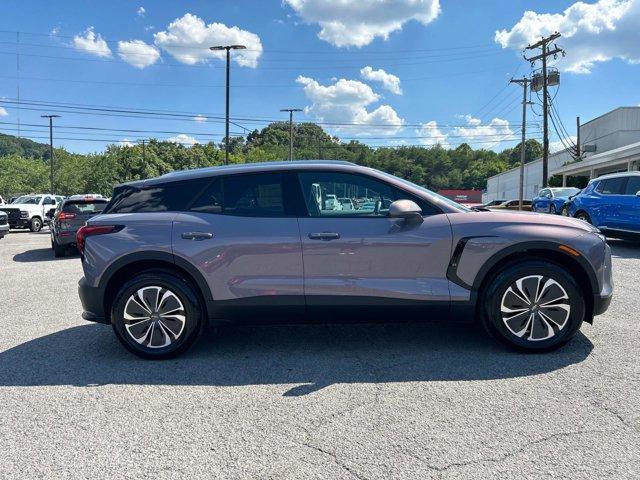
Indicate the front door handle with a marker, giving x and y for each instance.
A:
(197, 235)
(324, 236)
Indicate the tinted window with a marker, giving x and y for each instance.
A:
(612, 186)
(84, 207)
(255, 195)
(174, 196)
(633, 185)
(325, 193)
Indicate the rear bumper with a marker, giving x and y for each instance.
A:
(92, 299)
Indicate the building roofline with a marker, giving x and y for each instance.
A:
(610, 112)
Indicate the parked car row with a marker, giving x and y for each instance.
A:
(30, 211)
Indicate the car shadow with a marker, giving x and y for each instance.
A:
(40, 255)
(304, 358)
(624, 248)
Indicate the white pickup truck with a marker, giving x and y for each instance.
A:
(29, 211)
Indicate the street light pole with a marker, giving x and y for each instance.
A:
(51, 117)
(228, 48)
(291, 110)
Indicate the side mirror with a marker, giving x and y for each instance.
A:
(407, 210)
(638, 193)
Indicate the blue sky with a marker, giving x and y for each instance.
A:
(437, 73)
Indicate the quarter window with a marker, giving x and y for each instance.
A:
(174, 196)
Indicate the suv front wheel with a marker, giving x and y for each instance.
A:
(533, 305)
(157, 315)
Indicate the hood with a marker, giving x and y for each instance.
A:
(497, 217)
(22, 206)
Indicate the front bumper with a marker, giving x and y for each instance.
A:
(92, 299)
(4, 229)
(22, 223)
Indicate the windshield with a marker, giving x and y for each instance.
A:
(28, 199)
(565, 192)
(438, 197)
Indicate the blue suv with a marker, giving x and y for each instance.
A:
(611, 203)
(552, 200)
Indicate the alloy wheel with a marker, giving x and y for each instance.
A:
(154, 317)
(535, 308)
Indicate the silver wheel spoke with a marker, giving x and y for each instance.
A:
(154, 317)
(528, 314)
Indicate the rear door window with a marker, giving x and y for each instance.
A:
(633, 186)
(250, 195)
(612, 186)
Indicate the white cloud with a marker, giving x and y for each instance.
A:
(200, 118)
(92, 43)
(591, 32)
(432, 135)
(558, 146)
(183, 139)
(347, 23)
(484, 136)
(148, 28)
(138, 53)
(126, 142)
(55, 31)
(389, 81)
(188, 40)
(141, 12)
(346, 102)
(3, 112)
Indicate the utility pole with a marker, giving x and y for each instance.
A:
(543, 45)
(228, 48)
(319, 148)
(578, 149)
(290, 110)
(144, 153)
(524, 81)
(51, 117)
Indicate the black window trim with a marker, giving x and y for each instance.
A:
(411, 196)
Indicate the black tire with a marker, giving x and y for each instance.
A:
(185, 335)
(58, 250)
(552, 209)
(36, 224)
(501, 325)
(584, 216)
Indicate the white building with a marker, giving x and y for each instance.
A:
(611, 143)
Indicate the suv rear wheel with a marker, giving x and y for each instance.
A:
(157, 315)
(533, 305)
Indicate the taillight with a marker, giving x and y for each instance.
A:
(66, 216)
(91, 230)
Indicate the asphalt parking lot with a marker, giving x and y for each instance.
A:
(353, 402)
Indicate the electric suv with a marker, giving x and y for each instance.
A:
(260, 243)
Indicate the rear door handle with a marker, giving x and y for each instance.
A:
(324, 236)
(197, 235)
